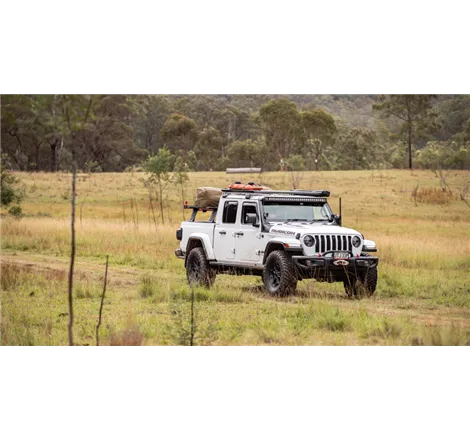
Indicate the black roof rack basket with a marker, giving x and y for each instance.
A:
(295, 192)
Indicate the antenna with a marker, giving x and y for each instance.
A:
(340, 213)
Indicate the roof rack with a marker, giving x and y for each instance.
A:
(197, 209)
(295, 192)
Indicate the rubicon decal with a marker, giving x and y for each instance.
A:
(341, 263)
(281, 231)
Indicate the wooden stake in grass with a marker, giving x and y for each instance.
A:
(71, 107)
(72, 256)
(193, 326)
(102, 302)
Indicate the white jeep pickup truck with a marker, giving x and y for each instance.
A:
(284, 236)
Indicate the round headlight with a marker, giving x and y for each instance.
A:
(309, 241)
(356, 241)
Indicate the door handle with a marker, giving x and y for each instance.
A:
(239, 233)
(222, 232)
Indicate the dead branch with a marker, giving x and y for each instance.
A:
(444, 184)
(102, 302)
(464, 192)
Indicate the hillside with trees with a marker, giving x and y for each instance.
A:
(213, 132)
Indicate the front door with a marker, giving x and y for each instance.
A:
(248, 241)
(224, 233)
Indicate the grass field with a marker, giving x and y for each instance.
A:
(423, 294)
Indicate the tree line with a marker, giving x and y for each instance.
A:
(213, 132)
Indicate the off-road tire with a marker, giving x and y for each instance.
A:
(198, 270)
(280, 274)
(364, 284)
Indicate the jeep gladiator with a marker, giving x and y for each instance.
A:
(283, 236)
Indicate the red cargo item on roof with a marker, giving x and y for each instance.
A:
(250, 186)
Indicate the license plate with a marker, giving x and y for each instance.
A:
(341, 255)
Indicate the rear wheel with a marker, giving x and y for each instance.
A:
(280, 274)
(198, 270)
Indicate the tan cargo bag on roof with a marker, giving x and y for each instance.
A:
(208, 197)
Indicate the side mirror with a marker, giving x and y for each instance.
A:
(338, 219)
(252, 219)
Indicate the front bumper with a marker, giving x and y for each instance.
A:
(331, 264)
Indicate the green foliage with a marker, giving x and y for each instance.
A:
(179, 132)
(160, 165)
(16, 211)
(295, 162)
(149, 114)
(447, 155)
(414, 112)
(181, 171)
(114, 132)
(92, 166)
(208, 148)
(358, 149)
(10, 192)
(281, 125)
(318, 124)
(248, 154)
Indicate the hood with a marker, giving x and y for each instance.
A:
(291, 229)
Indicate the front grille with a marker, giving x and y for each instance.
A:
(326, 243)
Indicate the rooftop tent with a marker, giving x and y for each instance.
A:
(208, 197)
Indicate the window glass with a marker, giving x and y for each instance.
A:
(248, 209)
(230, 212)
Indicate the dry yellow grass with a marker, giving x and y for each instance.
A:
(424, 274)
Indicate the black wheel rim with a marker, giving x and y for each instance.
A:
(195, 269)
(275, 275)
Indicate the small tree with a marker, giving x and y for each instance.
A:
(181, 176)
(159, 167)
(11, 194)
(295, 164)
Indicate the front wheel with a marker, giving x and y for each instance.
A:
(364, 284)
(198, 270)
(280, 274)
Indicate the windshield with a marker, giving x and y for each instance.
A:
(279, 212)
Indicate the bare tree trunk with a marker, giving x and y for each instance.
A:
(53, 157)
(72, 256)
(168, 210)
(409, 145)
(37, 155)
(161, 201)
(153, 211)
(102, 302)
